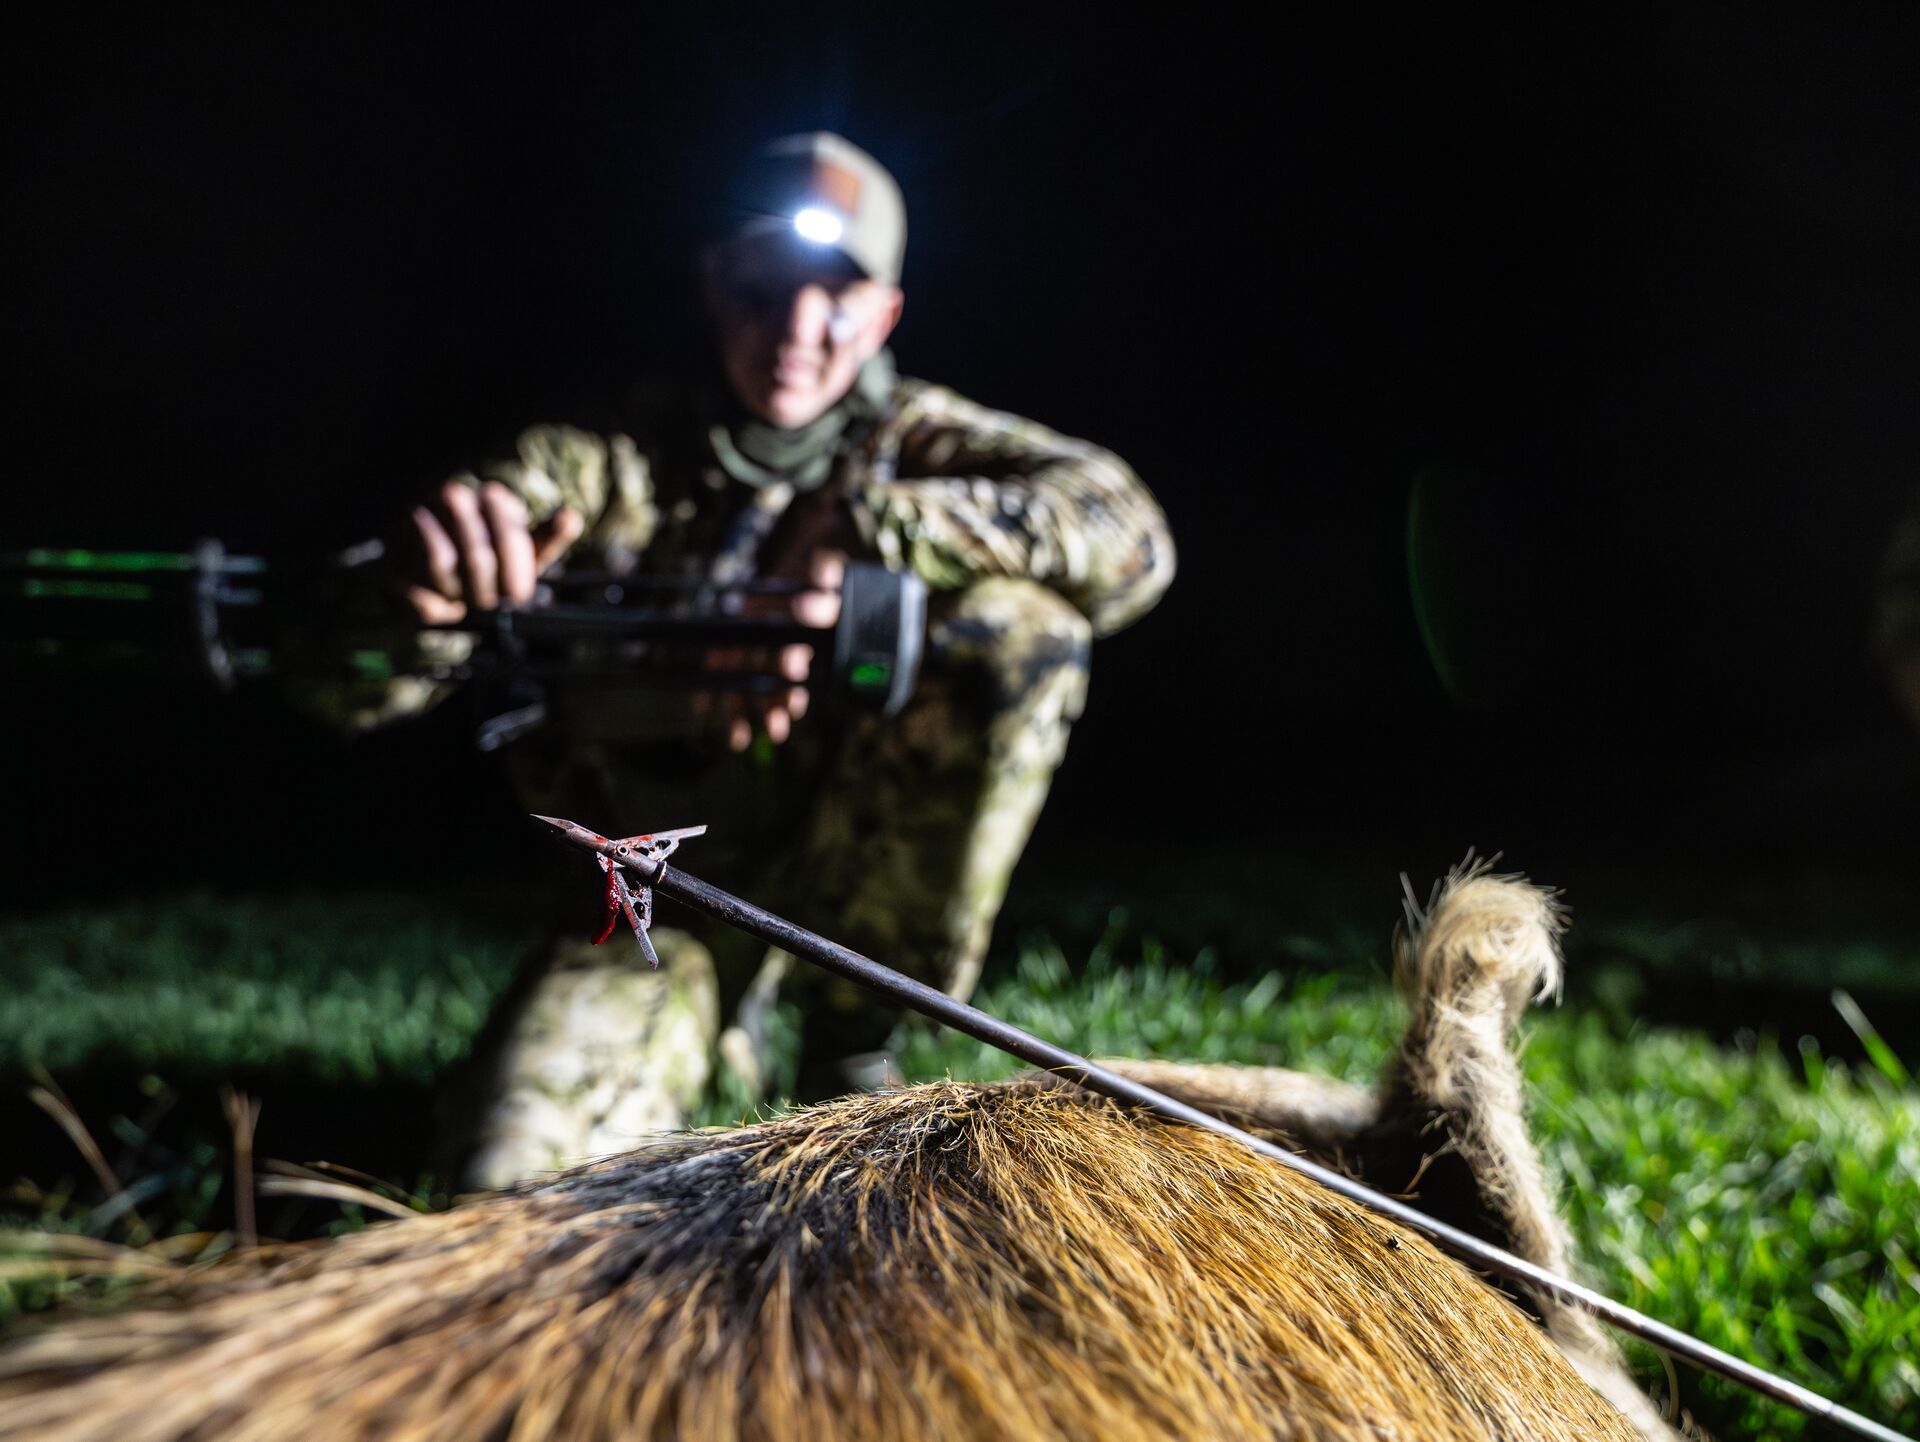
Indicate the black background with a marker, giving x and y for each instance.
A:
(1635, 291)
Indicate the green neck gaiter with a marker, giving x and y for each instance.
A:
(751, 450)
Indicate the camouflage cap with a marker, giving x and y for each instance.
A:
(827, 191)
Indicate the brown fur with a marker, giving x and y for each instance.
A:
(947, 1261)
(943, 1262)
(1468, 967)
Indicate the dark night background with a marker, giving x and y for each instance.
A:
(1626, 300)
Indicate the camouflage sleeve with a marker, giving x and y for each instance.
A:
(364, 663)
(978, 493)
(605, 478)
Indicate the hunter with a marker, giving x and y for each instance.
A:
(800, 450)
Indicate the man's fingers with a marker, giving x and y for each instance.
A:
(738, 717)
(796, 661)
(477, 560)
(506, 517)
(442, 556)
(479, 548)
(826, 570)
(435, 609)
(553, 535)
(820, 609)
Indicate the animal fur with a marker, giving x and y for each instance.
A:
(1469, 967)
(943, 1262)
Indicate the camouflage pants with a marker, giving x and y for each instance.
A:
(896, 837)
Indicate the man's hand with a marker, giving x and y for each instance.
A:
(773, 713)
(811, 550)
(475, 549)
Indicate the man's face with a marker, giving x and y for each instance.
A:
(794, 324)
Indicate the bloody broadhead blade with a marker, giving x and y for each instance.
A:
(646, 855)
(574, 832)
(649, 846)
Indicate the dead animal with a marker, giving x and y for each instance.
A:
(948, 1261)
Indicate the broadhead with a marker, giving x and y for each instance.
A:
(573, 831)
(654, 839)
(643, 854)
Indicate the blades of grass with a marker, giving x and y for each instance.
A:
(125, 1202)
(1882, 1056)
(51, 1100)
(36, 1249)
(281, 1186)
(243, 1116)
(52, 1269)
(328, 1171)
(192, 1245)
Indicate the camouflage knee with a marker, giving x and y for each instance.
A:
(1019, 640)
(1035, 648)
(913, 841)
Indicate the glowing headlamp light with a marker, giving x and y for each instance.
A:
(822, 227)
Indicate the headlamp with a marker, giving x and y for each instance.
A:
(822, 227)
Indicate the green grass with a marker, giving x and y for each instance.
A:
(1764, 1198)
(365, 989)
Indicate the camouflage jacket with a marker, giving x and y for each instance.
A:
(934, 482)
